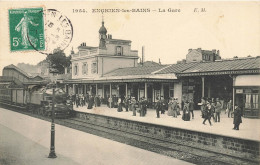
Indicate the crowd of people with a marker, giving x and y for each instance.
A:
(89, 100)
(210, 108)
(130, 104)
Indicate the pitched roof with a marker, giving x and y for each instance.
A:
(175, 68)
(141, 70)
(28, 75)
(18, 69)
(235, 64)
(224, 65)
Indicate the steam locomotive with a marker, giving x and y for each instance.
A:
(37, 99)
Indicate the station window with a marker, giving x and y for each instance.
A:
(94, 68)
(76, 69)
(85, 69)
(251, 101)
(119, 50)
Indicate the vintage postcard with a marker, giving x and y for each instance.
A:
(129, 82)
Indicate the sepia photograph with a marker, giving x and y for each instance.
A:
(129, 82)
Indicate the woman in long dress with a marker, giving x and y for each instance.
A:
(119, 108)
(170, 107)
(23, 26)
(186, 112)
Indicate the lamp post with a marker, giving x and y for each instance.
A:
(52, 153)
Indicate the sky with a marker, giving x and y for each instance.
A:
(233, 28)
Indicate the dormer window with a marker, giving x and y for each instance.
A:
(119, 50)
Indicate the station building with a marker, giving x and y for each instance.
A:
(112, 69)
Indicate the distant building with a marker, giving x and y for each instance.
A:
(43, 68)
(17, 76)
(199, 55)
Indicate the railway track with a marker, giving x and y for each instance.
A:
(175, 150)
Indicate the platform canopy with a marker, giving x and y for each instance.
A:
(247, 80)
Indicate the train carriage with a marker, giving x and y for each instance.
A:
(36, 99)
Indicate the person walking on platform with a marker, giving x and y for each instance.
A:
(123, 101)
(133, 106)
(110, 102)
(91, 102)
(229, 108)
(163, 105)
(145, 102)
(143, 105)
(126, 101)
(213, 111)
(119, 108)
(130, 103)
(77, 101)
(203, 105)
(218, 110)
(191, 107)
(237, 117)
(74, 99)
(98, 101)
(170, 107)
(176, 107)
(207, 113)
(186, 112)
(81, 100)
(95, 100)
(158, 107)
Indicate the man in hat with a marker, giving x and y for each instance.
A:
(163, 105)
(158, 107)
(237, 117)
(171, 107)
(218, 108)
(133, 103)
(191, 107)
(127, 101)
(207, 113)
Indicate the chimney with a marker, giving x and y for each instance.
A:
(214, 51)
(199, 49)
(159, 61)
(143, 55)
(190, 50)
(72, 51)
(217, 52)
(109, 36)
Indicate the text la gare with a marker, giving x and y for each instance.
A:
(170, 10)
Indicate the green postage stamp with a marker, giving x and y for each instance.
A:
(26, 28)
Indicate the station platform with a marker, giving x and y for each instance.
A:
(25, 140)
(249, 128)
